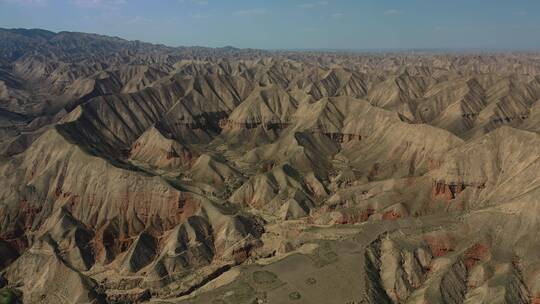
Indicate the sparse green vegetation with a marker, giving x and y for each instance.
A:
(9, 296)
(241, 294)
(264, 277)
(324, 255)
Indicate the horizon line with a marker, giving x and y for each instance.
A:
(351, 50)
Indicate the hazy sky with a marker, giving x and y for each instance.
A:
(336, 24)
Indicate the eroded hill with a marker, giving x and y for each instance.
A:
(132, 172)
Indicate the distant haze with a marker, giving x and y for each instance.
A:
(293, 24)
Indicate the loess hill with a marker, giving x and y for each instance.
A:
(132, 172)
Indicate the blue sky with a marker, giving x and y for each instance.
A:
(291, 24)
